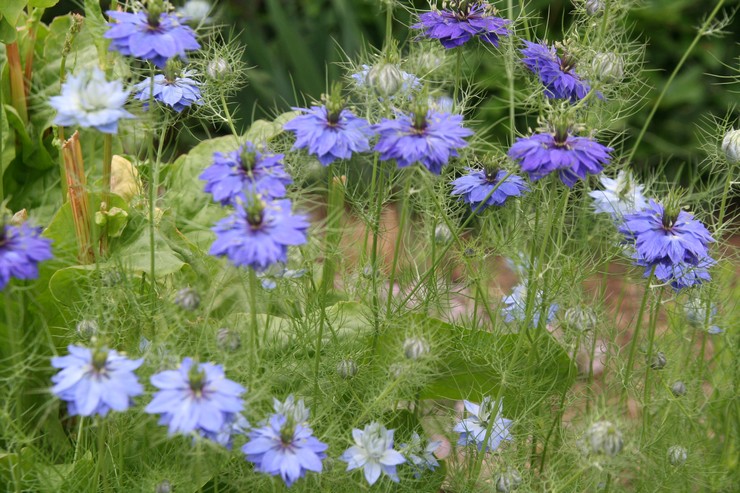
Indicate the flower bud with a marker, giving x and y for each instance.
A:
(218, 69)
(227, 339)
(87, 329)
(164, 487)
(678, 388)
(385, 78)
(415, 347)
(594, 7)
(677, 455)
(580, 319)
(508, 481)
(608, 67)
(442, 235)
(604, 438)
(731, 145)
(658, 360)
(187, 299)
(347, 368)
(196, 11)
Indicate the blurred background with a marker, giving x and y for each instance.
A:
(294, 46)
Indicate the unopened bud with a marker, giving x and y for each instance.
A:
(658, 361)
(731, 145)
(580, 319)
(87, 329)
(385, 78)
(228, 339)
(442, 235)
(187, 299)
(508, 481)
(678, 388)
(196, 10)
(604, 438)
(594, 7)
(347, 368)
(608, 67)
(218, 69)
(164, 487)
(677, 455)
(415, 347)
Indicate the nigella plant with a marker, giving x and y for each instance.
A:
(286, 448)
(330, 131)
(373, 452)
(462, 20)
(196, 397)
(572, 157)
(178, 91)
(515, 309)
(486, 187)
(89, 100)
(620, 196)
(21, 250)
(387, 80)
(483, 420)
(259, 233)
(94, 381)
(557, 73)
(249, 169)
(425, 136)
(421, 456)
(153, 35)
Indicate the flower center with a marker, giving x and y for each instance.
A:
(287, 432)
(197, 380)
(154, 11)
(490, 173)
(255, 212)
(248, 160)
(99, 360)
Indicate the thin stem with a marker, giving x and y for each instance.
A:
(675, 72)
(510, 78)
(399, 240)
(80, 439)
(374, 259)
(105, 201)
(254, 325)
(649, 369)
(634, 342)
(458, 76)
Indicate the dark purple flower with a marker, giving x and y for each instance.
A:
(21, 249)
(573, 157)
(258, 234)
(667, 237)
(195, 397)
(557, 73)
(475, 188)
(329, 135)
(149, 36)
(285, 448)
(431, 140)
(177, 92)
(247, 169)
(94, 381)
(458, 24)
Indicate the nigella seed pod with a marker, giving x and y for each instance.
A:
(608, 67)
(218, 69)
(508, 481)
(658, 360)
(164, 487)
(228, 340)
(385, 78)
(367, 272)
(87, 329)
(580, 319)
(442, 235)
(731, 145)
(415, 347)
(604, 438)
(677, 455)
(187, 299)
(678, 389)
(594, 7)
(347, 368)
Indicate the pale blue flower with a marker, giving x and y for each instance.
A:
(373, 452)
(481, 417)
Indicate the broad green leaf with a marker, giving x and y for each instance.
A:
(44, 4)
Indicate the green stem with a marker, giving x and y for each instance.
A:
(80, 438)
(399, 241)
(723, 202)
(105, 201)
(675, 72)
(254, 325)
(389, 25)
(458, 76)
(374, 258)
(648, 368)
(510, 78)
(100, 466)
(635, 334)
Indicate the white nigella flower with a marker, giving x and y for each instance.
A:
(295, 411)
(619, 197)
(473, 429)
(89, 100)
(373, 451)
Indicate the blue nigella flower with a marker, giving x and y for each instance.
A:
(258, 234)
(483, 416)
(516, 306)
(94, 381)
(89, 100)
(666, 236)
(427, 137)
(286, 448)
(697, 316)
(247, 169)
(475, 188)
(268, 278)
(21, 249)
(155, 36)
(620, 196)
(176, 92)
(373, 452)
(456, 25)
(680, 275)
(557, 73)
(329, 135)
(421, 456)
(195, 397)
(234, 424)
(572, 157)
